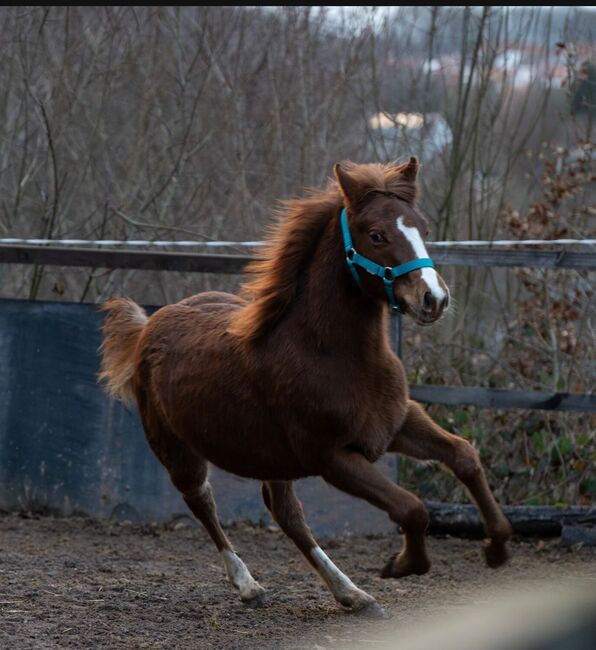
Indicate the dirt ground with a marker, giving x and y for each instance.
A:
(80, 583)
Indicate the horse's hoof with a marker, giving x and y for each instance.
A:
(399, 567)
(495, 553)
(256, 598)
(371, 610)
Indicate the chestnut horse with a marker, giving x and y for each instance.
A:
(297, 378)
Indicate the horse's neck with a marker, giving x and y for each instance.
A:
(332, 310)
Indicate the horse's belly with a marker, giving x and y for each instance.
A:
(241, 440)
(261, 465)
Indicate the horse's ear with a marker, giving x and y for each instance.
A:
(349, 186)
(410, 171)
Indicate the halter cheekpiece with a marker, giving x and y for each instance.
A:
(387, 273)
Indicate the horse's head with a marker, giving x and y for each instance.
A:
(386, 228)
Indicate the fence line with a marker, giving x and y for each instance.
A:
(500, 398)
(252, 244)
(132, 242)
(225, 263)
(457, 255)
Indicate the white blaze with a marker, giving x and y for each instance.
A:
(429, 275)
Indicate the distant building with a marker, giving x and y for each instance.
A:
(398, 134)
(518, 65)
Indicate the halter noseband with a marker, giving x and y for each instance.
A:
(387, 273)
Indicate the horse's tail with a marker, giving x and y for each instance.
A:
(121, 330)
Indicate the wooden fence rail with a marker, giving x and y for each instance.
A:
(232, 264)
(210, 263)
(498, 398)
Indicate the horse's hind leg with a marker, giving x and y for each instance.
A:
(351, 472)
(286, 509)
(422, 438)
(188, 472)
(203, 507)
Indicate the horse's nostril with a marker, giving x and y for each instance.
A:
(428, 301)
(445, 302)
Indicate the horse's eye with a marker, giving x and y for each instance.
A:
(376, 236)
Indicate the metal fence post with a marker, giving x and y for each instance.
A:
(396, 336)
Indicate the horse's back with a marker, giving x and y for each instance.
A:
(189, 327)
(212, 298)
(192, 322)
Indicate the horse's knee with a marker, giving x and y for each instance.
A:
(466, 464)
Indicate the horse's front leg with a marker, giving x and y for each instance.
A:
(351, 472)
(422, 438)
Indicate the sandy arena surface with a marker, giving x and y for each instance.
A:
(80, 583)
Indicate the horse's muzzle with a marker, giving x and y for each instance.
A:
(432, 307)
(428, 308)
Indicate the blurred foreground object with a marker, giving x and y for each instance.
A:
(554, 615)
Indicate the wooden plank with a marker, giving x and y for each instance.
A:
(553, 259)
(548, 521)
(116, 259)
(502, 398)
(209, 263)
(584, 534)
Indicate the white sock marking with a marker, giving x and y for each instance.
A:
(429, 275)
(342, 588)
(239, 575)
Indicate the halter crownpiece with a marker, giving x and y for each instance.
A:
(387, 273)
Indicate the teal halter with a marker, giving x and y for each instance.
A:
(387, 273)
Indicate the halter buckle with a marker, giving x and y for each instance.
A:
(388, 274)
(350, 254)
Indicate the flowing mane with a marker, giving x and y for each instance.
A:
(292, 241)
